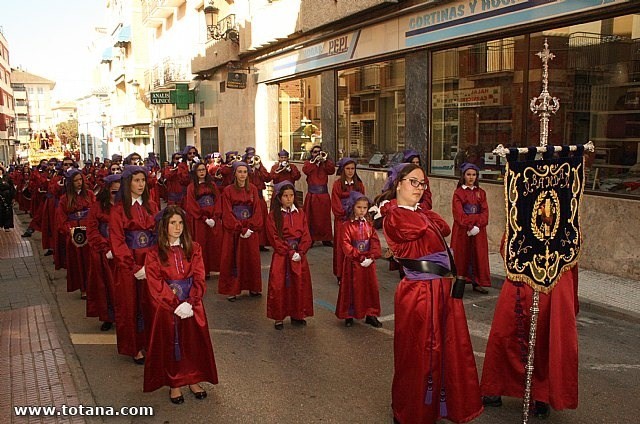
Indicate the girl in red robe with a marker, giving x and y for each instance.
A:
(180, 351)
(469, 237)
(172, 181)
(71, 216)
(349, 181)
(100, 283)
(290, 292)
(241, 218)
(359, 295)
(317, 203)
(204, 210)
(131, 230)
(435, 373)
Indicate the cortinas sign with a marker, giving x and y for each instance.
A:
(543, 220)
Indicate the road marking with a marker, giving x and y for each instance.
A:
(231, 332)
(612, 367)
(326, 305)
(93, 339)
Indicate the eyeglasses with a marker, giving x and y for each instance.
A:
(416, 183)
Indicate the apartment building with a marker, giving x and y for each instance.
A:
(8, 136)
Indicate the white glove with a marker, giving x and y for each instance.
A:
(196, 159)
(210, 222)
(247, 234)
(366, 262)
(141, 275)
(184, 310)
(296, 257)
(474, 231)
(109, 255)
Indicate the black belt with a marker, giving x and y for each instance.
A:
(425, 266)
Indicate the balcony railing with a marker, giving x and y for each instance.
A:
(168, 72)
(223, 28)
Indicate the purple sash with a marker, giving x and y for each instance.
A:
(181, 288)
(318, 189)
(139, 239)
(205, 200)
(470, 208)
(361, 245)
(242, 211)
(175, 196)
(103, 227)
(78, 215)
(293, 243)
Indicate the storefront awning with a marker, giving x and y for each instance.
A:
(123, 36)
(107, 55)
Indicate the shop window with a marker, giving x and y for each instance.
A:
(300, 118)
(371, 112)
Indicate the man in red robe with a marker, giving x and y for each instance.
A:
(258, 177)
(317, 203)
(284, 170)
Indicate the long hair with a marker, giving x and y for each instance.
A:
(208, 179)
(475, 183)
(163, 234)
(71, 192)
(391, 192)
(125, 187)
(276, 206)
(247, 181)
(104, 197)
(343, 180)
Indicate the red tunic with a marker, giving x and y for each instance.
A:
(76, 257)
(227, 175)
(21, 180)
(340, 193)
(54, 192)
(38, 186)
(240, 260)
(190, 360)
(258, 177)
(290, 291)
(359, 295)
(152, 183)
(175, 192)
(100, 281)
(317, 206)
(207, 206)
(471, 253)
(127, 289)
(278, 177)
(435, 372)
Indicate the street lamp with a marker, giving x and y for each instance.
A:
(223, 29)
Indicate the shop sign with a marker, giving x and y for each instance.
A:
(135, 132)
(161, 98)
(468, 97)
(128, 132)
(236, 80)
(185, 121)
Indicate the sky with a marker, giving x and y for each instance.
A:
(50, 38)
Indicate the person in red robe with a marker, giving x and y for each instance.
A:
(153, 168)
(225, 170)
(101, 264)
(555, 363)
(204, 211)
(71, 217)
(180, 352)
(190, 157)
(342, 187)
(259, 176)
(284, 170)
(241, 218)
(131, 231)
(359, 295)
(38, 188)
(435, 375)
(412, 156)
(171, 176)
(54, 190)
(317, 203)
(469, 236)
(24, 193)
(213, 168)
(290, 293)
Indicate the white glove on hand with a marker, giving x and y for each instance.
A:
(184, 310)
(196, 159)
(366, 262)
(210, 222)
(109, 255)
(247, 234)
(141, 275)
(474, 231)
(296, 257)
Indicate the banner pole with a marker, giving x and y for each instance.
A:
(535, 308)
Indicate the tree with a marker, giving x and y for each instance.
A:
(68, 133)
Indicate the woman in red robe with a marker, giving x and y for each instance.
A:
(435, 372)
(359, 295)
(258, 177)
(100, 283)
(469, 237)
(241, 218)
(203, 207)
(180, 351)
(342, 187)
(71, 217)
(290, 292)
(131, 230)
(172, 181)
(317, 203)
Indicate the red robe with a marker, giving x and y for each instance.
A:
(278, 177)
(340, 192)
(20, 181)
(471, 253)
(290, 291)
(209, 238)
(100, 282)
(190, 360)
(317, 207)
(175, 193)
(359, 295)
(431, 343)
(128, 291)
(258, 177)
(38, 186)
(227, 175)
(240, 260)
(76, 257)
(152, 183)
(54, 192)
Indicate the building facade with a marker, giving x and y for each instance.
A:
(8, 136)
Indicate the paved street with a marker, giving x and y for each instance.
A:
(322, 373)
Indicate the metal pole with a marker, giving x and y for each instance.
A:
(535, 308)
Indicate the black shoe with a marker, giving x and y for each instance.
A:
(492, 401)
(348, 322)
(480, 289)
(255, 294)
(140, 361)
(177, 400)
(540, 410)
(327, 243)
(279, 325)
(106, 326)
(298, 322)
(27, 234)
(232, 298)
(263, 249)
(373, 321)
(199, 395)
(47, 252)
